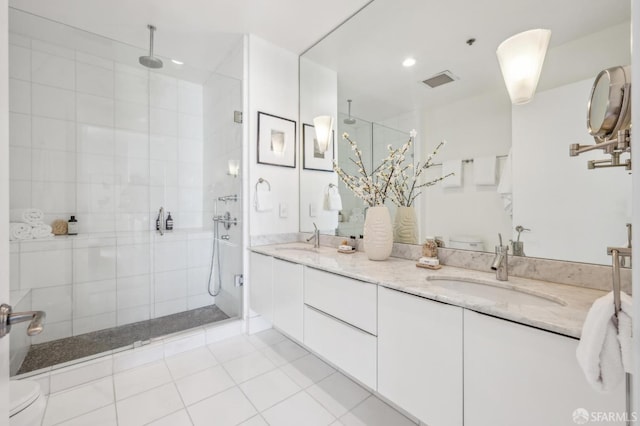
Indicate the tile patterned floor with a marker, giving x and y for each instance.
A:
(263, 379)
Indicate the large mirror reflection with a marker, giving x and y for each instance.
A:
(561, 209)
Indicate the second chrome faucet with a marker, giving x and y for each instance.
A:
(315, 237)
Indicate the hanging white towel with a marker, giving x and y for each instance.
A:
(19, 231)
(484, 170)
(41, 231)
(600, 351)
(332, 199)
(31, 216)
(505, 187)
(455, 167)
(264, 200)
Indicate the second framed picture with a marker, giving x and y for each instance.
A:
(312, 157)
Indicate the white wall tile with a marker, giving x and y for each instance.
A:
(45, 269)
(53, 331)
(164, 91)
(19, 40)
(85, 58)
(95, 110)
(190, 200)
(19, 96)
(94, 264)
(14, 271)
(19, 63)
(94, 298)
(20, 164)
(188, 220)
(96, 222)
(132, 116)
(131, 315)
(95, 198)
(94, 80)
(132, 171)
(52, 70)
(198, 279)
(131, 85)
(134, 260)
(163, 148)
(43, 46)
(94, 241)
(170, 256)
(53, 134)
(132, 222)
(55, 301)
(190, 150)
(53, 166)
(190, 126)
(93, 323)
(164, 173)
(169, 307)
(132, 198)
(19, 130)
(190, 176)
(20, 194)
(164, 122)
(95, 168)
(95, 139)
(131, 144)
(199, 301)
(53, 102)
(53, 197)
(190, 98)
(46, 245)
(170, 285)
(133, 291)
(199, 252)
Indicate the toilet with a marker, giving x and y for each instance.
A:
(26, 403)
(466, 242)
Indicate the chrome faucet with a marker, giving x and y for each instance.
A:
(501, 261)
(315, 237)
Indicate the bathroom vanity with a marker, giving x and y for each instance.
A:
(449, 347)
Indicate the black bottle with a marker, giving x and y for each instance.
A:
(158, 223)
(169, 224)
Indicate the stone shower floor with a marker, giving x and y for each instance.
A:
(64, 350)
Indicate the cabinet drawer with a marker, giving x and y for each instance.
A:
(350, 300)
(351, 349)
(287, 298)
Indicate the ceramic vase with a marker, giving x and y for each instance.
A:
(378, 233)
(405, 227)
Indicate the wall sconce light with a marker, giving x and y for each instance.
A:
(323, 125)
(233, 168)
(521, 57)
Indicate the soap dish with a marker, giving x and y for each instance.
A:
(422, 265)
(346, 251)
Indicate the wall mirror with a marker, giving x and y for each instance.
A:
(570, 212)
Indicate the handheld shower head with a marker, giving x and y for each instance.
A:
(150, 61)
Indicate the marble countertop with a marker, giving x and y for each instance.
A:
(558, 308)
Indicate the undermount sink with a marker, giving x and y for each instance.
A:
(494, 291)
(299, 248)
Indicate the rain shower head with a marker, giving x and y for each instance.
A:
(150, 61)
(349, 120)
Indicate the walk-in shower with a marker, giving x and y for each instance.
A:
(109, 137)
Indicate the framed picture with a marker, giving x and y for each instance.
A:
(276, 140)
(312, 158)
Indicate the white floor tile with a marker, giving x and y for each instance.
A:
(255, 421)
(190, 362)
(105, 416)
(268, 389)
(374, 412)
(338, 394)
(141, 379)
(337, 423)
(266, 338)
(83, 399)
(248, 367)
(300, 409)
(225, 409)
(204, 384)
(148, 406)
(307, 370)
(179, 418)
(229, 349)
(284, 352)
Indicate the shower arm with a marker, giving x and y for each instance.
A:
(152, 29)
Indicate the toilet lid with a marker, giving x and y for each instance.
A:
(22, 394)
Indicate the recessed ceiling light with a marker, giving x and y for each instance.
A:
(177, 62)
(409, 62)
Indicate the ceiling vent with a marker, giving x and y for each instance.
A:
(439, 79)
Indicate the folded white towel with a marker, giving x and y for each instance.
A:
(599, 352)
(431, 261)
(505, 187)
(455, 167)
(484, 170)
(41, 231)
(19, 231)
(29, 216)
(263, 201)
(332, 199)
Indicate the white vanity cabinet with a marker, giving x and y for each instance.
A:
(287, 298)
(340, 322)
(261, 285)
(515, 374)
(420, 356)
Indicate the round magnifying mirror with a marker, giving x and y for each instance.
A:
(609, 104)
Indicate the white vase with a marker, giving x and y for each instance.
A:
(405, 227)
(378, 233)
